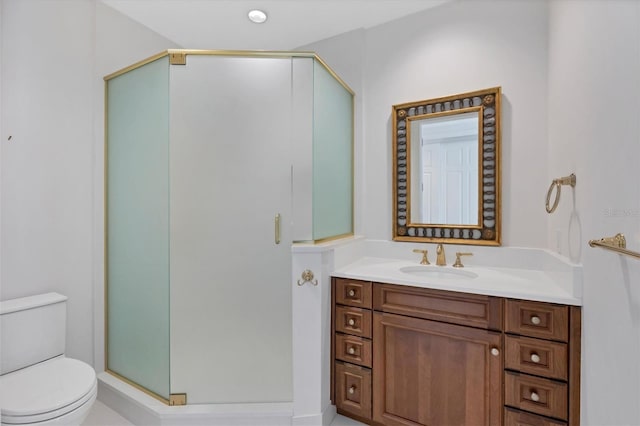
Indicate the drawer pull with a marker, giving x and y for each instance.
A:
(495, 351)
(535, 320)
(352, 293)
(535, 358)
(351, 322)
(535, 397)
(351, 350)
(352, 390)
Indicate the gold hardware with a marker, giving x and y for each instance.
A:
(440, 260)
(242, 53)
(307, 278)
(424, 260)
(458, 263)
(617, 243)
(277, 230)
(178, 399)
(134, 384)
(178, 58)
(557, 183)
(487, 231)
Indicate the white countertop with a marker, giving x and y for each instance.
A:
(528, 284)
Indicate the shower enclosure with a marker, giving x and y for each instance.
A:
(217, 162)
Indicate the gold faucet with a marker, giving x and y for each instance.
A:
(440, 260)
(424, 260)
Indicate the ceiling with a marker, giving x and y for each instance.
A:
(223, 24)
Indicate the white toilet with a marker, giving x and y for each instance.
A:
(38, 384)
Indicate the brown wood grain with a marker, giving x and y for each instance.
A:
(552, 395)
(575, 339)
(432, 373)
(456, 308)
(353, 293)
(361, 321)
(520, 418)
(353, 349)
(353, 389)
(554, 319)
(553, 357)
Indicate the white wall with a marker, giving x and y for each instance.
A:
(54, 54)
(453, 48)
(47, 84)
(594, 131)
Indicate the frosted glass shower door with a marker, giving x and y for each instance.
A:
(138, 226)
(230, 281)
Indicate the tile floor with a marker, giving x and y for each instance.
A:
(101, 415)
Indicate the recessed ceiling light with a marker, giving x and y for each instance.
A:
(257, 16)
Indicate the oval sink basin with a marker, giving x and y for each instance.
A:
(438, 272)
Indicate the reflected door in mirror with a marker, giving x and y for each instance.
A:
(444, 169)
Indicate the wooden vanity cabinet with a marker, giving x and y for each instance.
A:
(433, 373)
(404, 355)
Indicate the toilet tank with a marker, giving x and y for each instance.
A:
(32, 329)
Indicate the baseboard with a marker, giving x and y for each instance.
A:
(127, 401)
(325, 418)
(141, 409)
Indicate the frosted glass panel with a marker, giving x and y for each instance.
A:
(230, 281)
(332, 156)
(138, 226)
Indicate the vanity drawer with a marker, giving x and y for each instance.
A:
(353, 349)
(537, 319)
(354, 321)
(456, 308)
(535, 356)
(520, 418)
(541, 396)
(353, 293)
(353, 389)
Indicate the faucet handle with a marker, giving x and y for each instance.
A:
(458, 263)
(424, 260)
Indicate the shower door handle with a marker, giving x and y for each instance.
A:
(277, 228)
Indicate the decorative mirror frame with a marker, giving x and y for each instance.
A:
(487, 232)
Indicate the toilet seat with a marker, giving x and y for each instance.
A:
(46, 391)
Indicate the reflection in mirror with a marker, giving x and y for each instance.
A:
(446, 169)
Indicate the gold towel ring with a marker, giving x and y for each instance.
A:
(557, 183)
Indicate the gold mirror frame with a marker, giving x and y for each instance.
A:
(487, 231)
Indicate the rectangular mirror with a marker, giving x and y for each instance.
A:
(446, 169)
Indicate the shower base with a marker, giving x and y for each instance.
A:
(141, 409)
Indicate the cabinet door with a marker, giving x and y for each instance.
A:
(431, 373)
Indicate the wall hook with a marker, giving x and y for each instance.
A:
(307, 277)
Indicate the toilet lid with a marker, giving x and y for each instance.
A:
(47, 387)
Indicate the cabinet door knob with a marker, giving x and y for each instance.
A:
(535, 320)
(351, 322)
(352, 293)
(351, 350)
(535, 358)
(352, 390)
(535, 397)
(495, 351)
